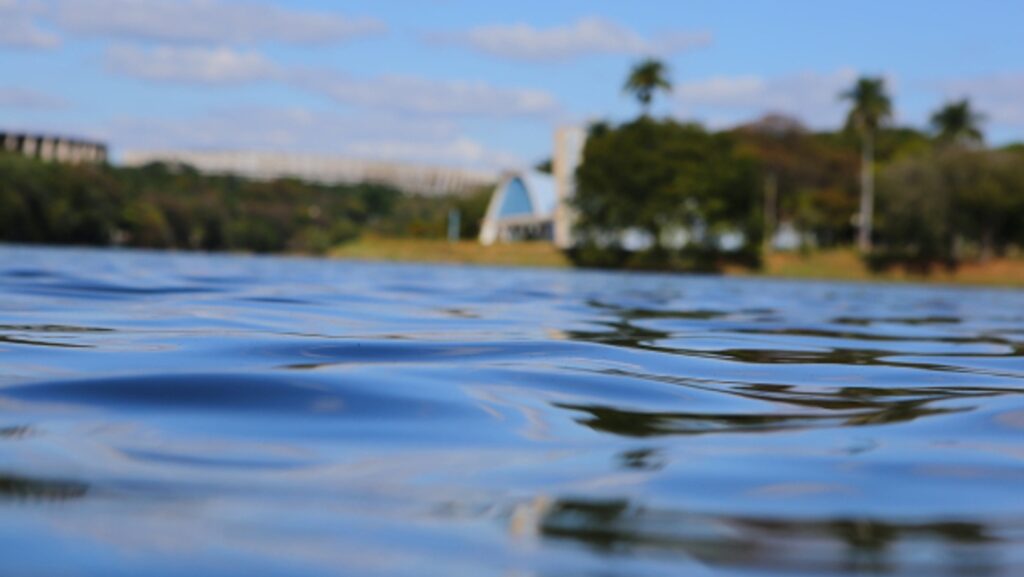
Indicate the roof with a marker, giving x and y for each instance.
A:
(541, 188)
(540, 194)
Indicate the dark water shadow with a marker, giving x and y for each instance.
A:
(834, 546)
(234, 395)
(19, 488)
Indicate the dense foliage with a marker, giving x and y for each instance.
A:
(675, 192)
(939, 201)
(814, 176)
(176, 207)
(661, 182)
(951, 204)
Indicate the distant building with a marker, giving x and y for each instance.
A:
(567, 157)
(521, 208)
(409, 178)
(536, 206)
(53, 148)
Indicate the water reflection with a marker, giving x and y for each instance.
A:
(17, 488)
(832, 546)
(642, 459)
(15, 432)
(273, 416)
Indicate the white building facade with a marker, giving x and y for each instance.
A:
(537, 206)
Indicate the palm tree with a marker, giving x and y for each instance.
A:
(870, 109)
(958, 123)
(647, 77)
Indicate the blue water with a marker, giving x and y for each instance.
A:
(172, 414)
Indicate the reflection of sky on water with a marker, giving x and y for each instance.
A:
(182, 414)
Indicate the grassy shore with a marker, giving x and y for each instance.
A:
(846, 264)
(463, 252)
(840, 264)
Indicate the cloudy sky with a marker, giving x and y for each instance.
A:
(474, 83)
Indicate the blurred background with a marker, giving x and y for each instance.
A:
(889, 130)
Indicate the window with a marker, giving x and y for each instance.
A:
(516, 201)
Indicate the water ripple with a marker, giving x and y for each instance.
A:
(175, 414)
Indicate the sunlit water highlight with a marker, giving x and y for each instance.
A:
(169, 414)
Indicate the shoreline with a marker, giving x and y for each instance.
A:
(837, 265)
(827, 265)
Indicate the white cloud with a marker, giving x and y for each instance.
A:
(263, 128)
(999, 96)
(425, 96)
(19, 28)
(16, 97)
(207, 21)
(587, 36)
(681, 41)
(297, 130)
(190, 64)
(813, 97)
(406, 94)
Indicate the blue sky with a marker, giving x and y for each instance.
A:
(473, 83)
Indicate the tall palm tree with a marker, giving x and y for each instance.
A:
(870, 108)
(957, 123)
(647, 77)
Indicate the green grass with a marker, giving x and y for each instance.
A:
(465, 252)
(846, 264)
(837, 264)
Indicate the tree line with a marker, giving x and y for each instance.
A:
(174, 206)
(687, 197)
(651, 193)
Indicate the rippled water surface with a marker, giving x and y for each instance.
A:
(220, 415)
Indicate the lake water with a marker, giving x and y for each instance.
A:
(172, 414)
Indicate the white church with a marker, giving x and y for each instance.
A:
(533, 205)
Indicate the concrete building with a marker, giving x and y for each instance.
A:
(567, 157)
(410, 178)
(537, 206)
(522, 208)
(53, 148)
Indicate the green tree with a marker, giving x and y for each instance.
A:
(958, 123)
(168, 205)
(916, 213)
(645, 79)
(870, 108)
(814, 176)
(666, 181)
(952, 204)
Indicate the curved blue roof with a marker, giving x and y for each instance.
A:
(522, 199)
(541, 188)
(514, 199)
(529, 193)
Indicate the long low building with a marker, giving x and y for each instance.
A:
(410, 178)
(53, 148)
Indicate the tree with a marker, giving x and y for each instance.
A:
(663, 180)
(814, 177)
(958, 124)
(647, 77)
(870, 109)
(950, 204)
